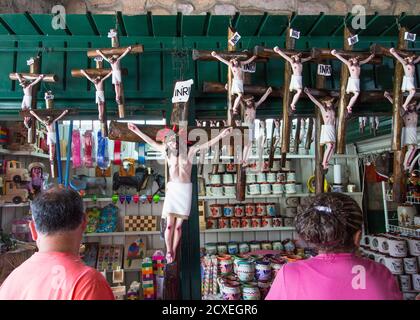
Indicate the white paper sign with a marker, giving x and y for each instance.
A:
(235, 39)
(324, 70)
(410, 36)
(353, 40)
(98, 58)
(250, 67)
(294, 34)
(49, 96)
(30, 61)
(112, 34)
(182, 91)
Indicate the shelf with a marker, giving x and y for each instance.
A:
(121, 234)
(12, 205)
(249, 230)
(283, 195)
(27, 154)
(405, 231)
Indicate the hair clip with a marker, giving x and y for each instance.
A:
(323, 209)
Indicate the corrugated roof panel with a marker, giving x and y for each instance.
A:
(304, 23)
(248, 25)
(19, 23)
(327, 25)
(44, 22)
(136, 25)
(164, 26)
(218, 25)
(79, 25)
(105, 22)
(193, 25)
(275, 25)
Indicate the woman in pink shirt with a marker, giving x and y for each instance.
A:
(332, 223)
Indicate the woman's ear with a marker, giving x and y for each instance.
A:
(357, 237)
(33, 230)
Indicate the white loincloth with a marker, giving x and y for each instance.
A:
(409, 136)
(408, 84)
(100, 96)
(26, 102)
(295, 83)
(353, 85)
(51, 138)
(116, 77)
(237, 86)
(177, 200)
(327, 134)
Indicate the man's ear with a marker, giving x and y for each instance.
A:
(33, 230)
(357, 237)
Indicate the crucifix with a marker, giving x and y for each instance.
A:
(30, 86)
(346, 86)
(113, 56)
(48, 117)
(98, 76)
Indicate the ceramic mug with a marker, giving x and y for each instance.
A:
(235, 223)
(291, 177)
(265, 188)
(208, 190)
(254, 189)
(260, 209)
(217, 191)
(410, 265)
(230, 167)
(277, 245)
(292, 202)
(215, 179)
(221, 168)
(246, 271)
(278, 188)
(250, 209)
(261, 177)
(271, 177)
(271, 209)
(263, 270)
(211, 223)
(239, 210)
(245, 222)
(276, 166)
(414, 246)
(255, 222)
(255, 246)
(409, 295)
(223, 223)
(383, 244)
(227, 178)
(299, 188)
(266, 245)
(225, 264)
(266, 222)
(233, 247)
(251, 293)
(250, 178)
(216, 210)
(277, 222)
(281, 177)
(290, 188)
(230, 291)
(211, 248)
(374, 243)
(405, 282)
(366, 239)
(416, 281)
(397, 247)
(222, 248)
(291, 212)
(229, 190)
(243, 247)
(395, 265)
(288, 222)
(228, 210)
(264, 287)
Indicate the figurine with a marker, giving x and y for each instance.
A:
(408, 84)
(177, 204)
(36, 171)
(328, 136)
(410, 117)
(27, 86)
(114, 61)
(353, 82)
(296, 80)
(238, 77)
(250, 115)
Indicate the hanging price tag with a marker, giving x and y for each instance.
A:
(353, 40)
(182, 91)
(324, 70)
(99, 58)
(30, 62)
(410, 36)
(294, 34)
(235, 39)
(112, 33)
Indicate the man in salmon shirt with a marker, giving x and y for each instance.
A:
(56, 271)
(332, 223)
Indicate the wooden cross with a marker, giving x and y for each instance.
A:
(32, 76)
(116, 52)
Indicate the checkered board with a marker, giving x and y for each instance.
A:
(141, 223)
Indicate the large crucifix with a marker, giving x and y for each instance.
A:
(30, 86)
(113, 56)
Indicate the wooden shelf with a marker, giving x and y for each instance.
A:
(278, 196)
(248, 229)
(13, 205)
(27, 154)
(120, 234)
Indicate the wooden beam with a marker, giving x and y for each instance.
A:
(319, 150)
(138, 48)
(342, 105)
(77, 73)
(205, 55)
(33, 76)
(297, 135)
(263, 52)
(325, 54)
(290, 44)
(399, 186)
(383, 51)
(308, 140)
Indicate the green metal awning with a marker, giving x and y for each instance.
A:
(168, 41)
